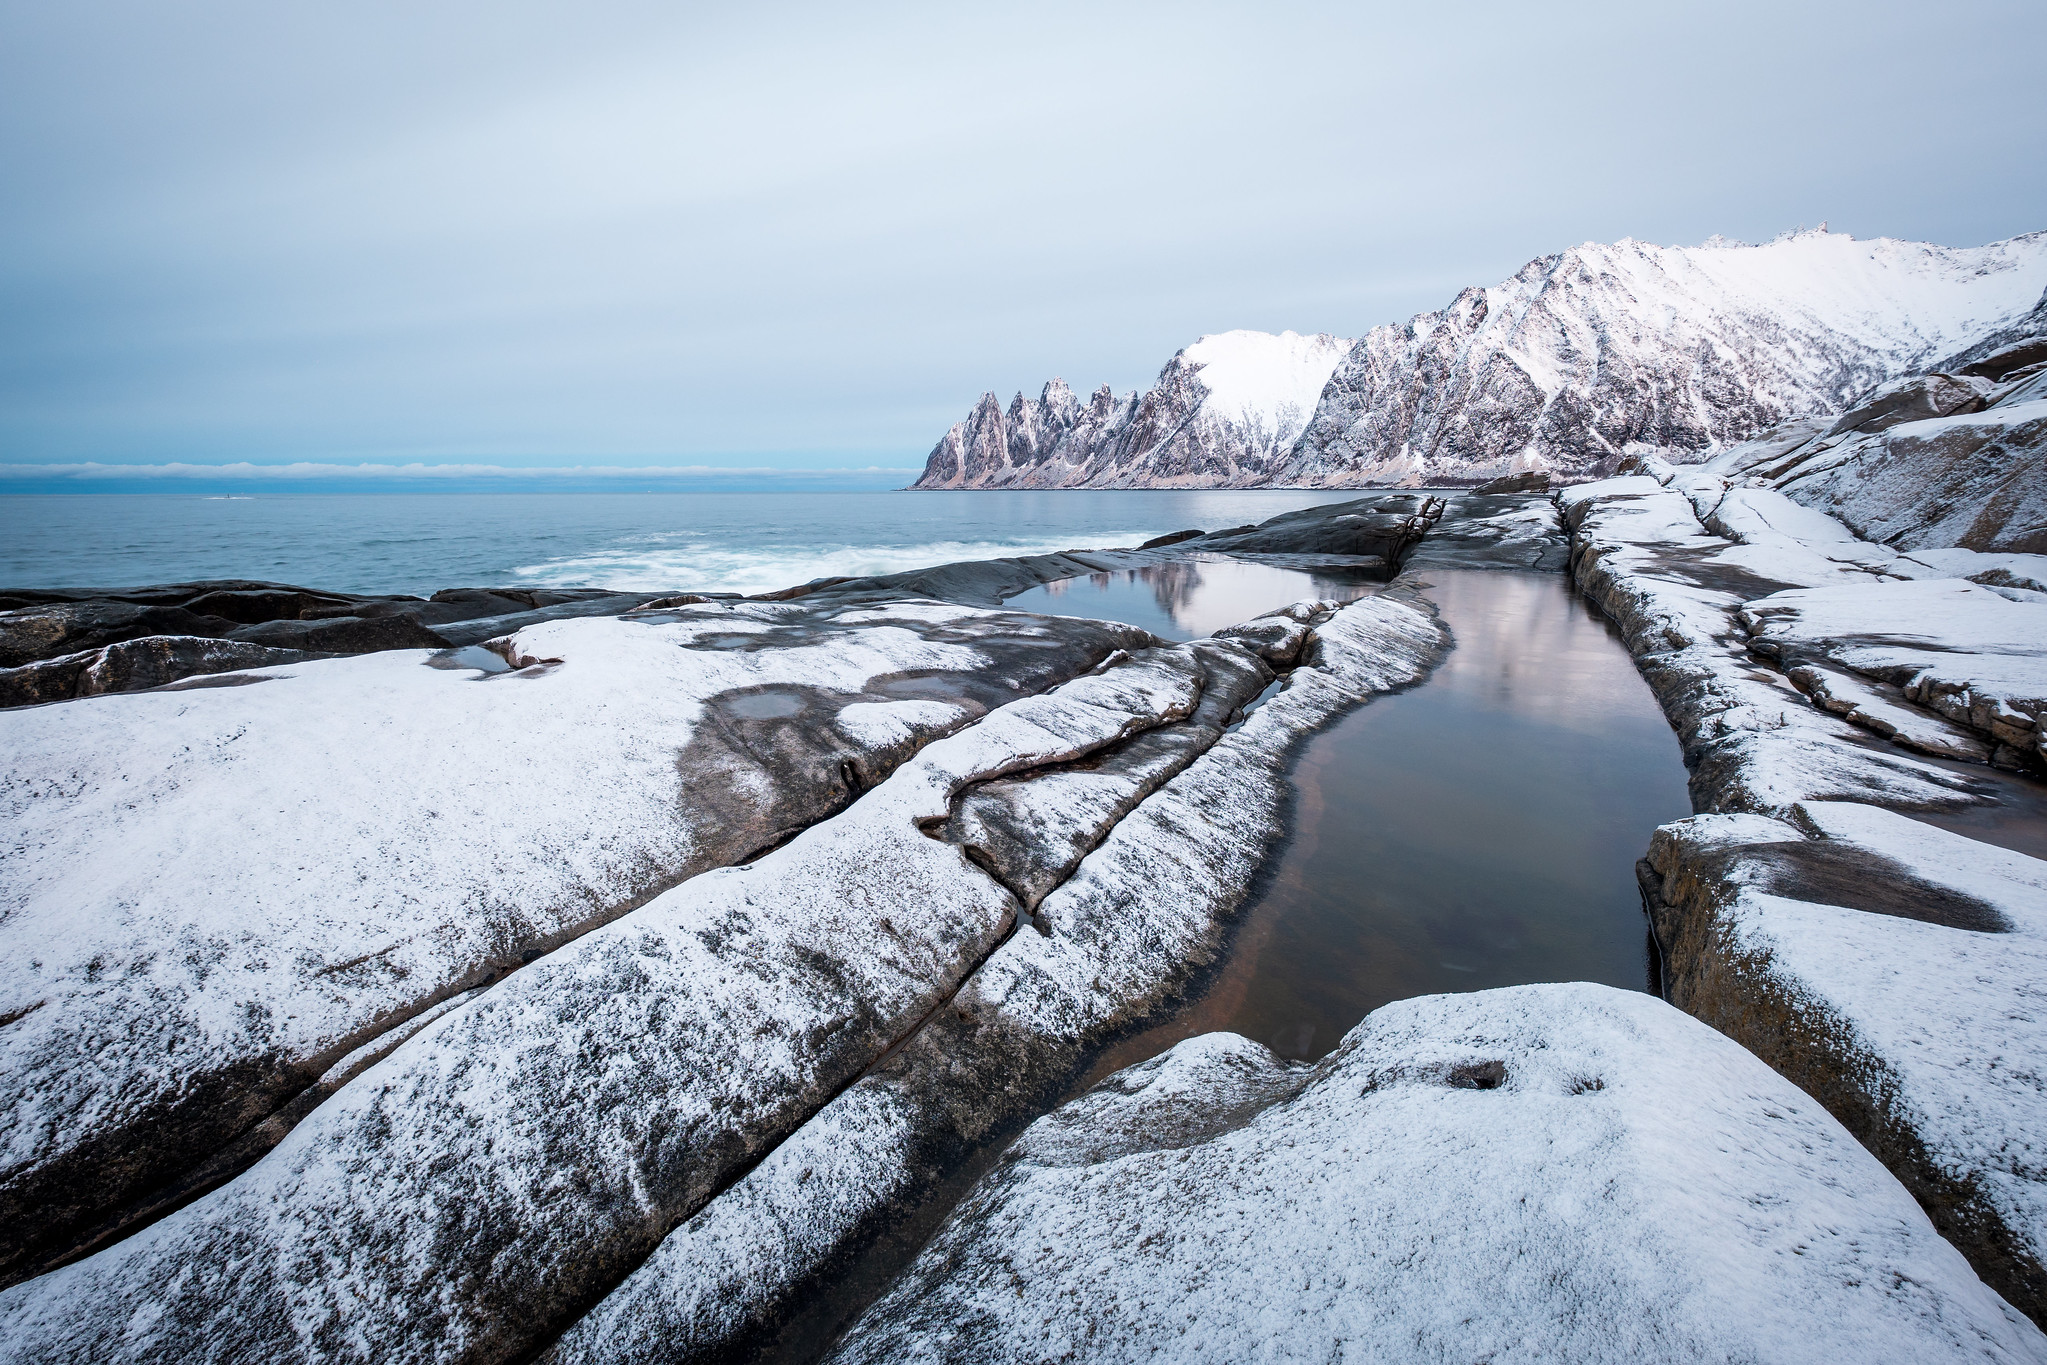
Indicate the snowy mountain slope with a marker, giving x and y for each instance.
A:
(1598, 350)
(1580, 358)
(1223, 411)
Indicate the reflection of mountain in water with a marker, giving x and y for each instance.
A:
(1174, 585)
(1189, 597)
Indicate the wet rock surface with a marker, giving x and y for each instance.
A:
(62, 627)
(1601, 1178)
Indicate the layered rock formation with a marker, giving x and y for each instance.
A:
(1952, 458)
(470, 1194)
(1223, 412)
(223, 902)
(407, 987)
(1892, 970)
(1580, 358)
(1888, 967)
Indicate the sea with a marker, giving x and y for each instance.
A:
(419, 542)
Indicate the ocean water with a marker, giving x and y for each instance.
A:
(708, 542)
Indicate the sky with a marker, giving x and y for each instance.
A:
(625, 236)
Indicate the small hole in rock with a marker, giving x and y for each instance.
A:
(1479, 1075)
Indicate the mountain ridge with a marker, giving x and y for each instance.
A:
(1582, 357)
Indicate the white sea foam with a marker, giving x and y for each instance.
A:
(700, 563)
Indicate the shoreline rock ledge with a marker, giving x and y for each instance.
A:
(1542, 1173)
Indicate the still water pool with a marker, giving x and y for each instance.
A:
(1192, 597)
(1479, 830)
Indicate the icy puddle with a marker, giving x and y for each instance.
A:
(1478, 831)
(1191, 597)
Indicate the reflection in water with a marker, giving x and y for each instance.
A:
(2017, 820)
(1478, 831)
(1191, 597)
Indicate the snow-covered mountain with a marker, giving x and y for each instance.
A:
(1580, 358)
(1600, 350)
(1223, 413)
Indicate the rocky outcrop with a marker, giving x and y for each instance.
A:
(1929, 462)
(1975, 656)
(1751, 739)
(152, 661)
(1545, 1173)
(401, 834)
(1886, 966)
(1114, 944)
(1222, 412)
(469, 1195)
(55, 644)
(1892, 970)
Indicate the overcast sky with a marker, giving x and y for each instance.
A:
(623, 233)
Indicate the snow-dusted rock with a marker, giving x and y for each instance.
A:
(1143, 912)
(1223, 411)
(214, 896)
(1598, 351)
(1935, 461)
(465, 1197)
(132, 665)
(79, 625)
(1543, 1173)
(1751, 739)
(1895, 972)
(1974, 481)
(1911, 1012)
(1382, 528)
(1972, 654)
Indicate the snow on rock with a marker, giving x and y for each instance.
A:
(1895, 972)
(1889, 968)
(1600, 351)
(214, 894)
(1223, 411)
(462, 1199)
(1934, 461)
(1563, 1172)
(1143, 912)
(1975, 655)
(879, 724)
(1753, 742)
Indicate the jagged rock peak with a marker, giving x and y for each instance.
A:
(1222, 411)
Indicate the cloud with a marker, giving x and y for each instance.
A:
(813, 235)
